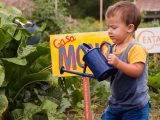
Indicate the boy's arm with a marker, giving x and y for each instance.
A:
(136, 58)
(133, 70)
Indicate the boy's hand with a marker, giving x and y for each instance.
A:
(113, 60)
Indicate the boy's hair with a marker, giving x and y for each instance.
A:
(130, 14)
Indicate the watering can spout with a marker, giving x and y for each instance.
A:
(62, 70)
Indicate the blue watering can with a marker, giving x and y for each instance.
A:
(96, 61)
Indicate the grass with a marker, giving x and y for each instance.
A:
(155, 106)
(154, 113)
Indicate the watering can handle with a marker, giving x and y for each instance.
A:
(84, 46)
(109, 47)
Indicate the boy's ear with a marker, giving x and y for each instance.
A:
(131, 28)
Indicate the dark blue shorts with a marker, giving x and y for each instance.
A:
(121, 114)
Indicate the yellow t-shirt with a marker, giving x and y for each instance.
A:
(136, 54)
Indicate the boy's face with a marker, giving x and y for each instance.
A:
(117, 29)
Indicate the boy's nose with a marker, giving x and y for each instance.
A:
(109, 31)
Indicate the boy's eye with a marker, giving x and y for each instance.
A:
(114, 27)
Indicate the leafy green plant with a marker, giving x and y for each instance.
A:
(99, 94)
(23, 68)
(72, 94)
(153, 67)
(154, 83)
(150, 24)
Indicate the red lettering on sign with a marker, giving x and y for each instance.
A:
(58, 43)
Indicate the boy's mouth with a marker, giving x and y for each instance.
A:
(112, 37)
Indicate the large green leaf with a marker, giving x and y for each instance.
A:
(25, 34)
(7, 14)
(19, 85)
(65, 104)
(47, 106)
(43, 63)
(4, 17)
(14, 69)
(17, 114)
(21, 34)
(10, 28)
(42, 50)
(3, 104)
(18, 35)
(2, 75)
(26, 113)
(30, 110)
(14, 11)
(16, 61)
(51, 110)
(25, 51)
(4, 38)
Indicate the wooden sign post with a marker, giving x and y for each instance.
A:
(87, 103)
(101, 15)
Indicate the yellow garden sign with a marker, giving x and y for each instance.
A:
(65, 50)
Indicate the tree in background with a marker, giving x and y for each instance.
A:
(44, 12)
(83, 8)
